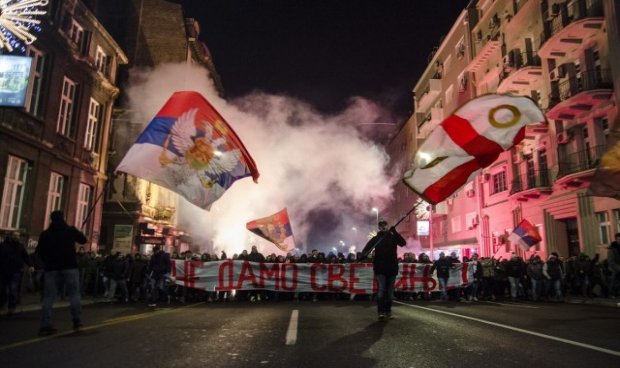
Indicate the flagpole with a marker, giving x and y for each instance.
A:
(364, 255)
(90, 211)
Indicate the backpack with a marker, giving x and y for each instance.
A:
(488, 268)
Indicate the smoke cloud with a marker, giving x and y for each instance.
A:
(323, 169)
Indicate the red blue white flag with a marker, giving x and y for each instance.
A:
(470, 139)
(190, 149)
(276, 229)
(525, 235)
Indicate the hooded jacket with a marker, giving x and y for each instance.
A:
(56, 246)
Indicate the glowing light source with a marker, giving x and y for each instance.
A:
(422, 211)
(17, 19)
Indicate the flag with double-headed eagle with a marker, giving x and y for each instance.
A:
(190, 149)
(467, 141)
(276, 229)
(525, 235)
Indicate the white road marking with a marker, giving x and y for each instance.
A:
(291, 333)
(544, 336)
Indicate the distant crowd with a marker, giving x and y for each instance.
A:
(125, 278)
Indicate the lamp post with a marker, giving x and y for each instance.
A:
(376, 211)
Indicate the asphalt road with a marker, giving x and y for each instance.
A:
(322, 334)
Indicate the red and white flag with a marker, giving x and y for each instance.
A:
(470, 139)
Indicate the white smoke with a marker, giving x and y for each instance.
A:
(308, 163)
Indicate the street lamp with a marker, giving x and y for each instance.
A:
(376, 211)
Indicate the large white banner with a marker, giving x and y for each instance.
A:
(354, 278)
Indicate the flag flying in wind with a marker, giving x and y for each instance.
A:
(606, 180)
(190, 149)
(276, 229)
(470, 139)
(525, 235)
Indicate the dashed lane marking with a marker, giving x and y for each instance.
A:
(517, 329)
(291, 333)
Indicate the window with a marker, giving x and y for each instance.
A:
(65, 113)
(456, 224)
(83, 205)
(617, 217)
(101, 61)
(54, 195)
(34, 101)
(90, 138)
(446, 65)
(499, 182)
(603, 227)
(13, 194)
(449, 94)
(602, 126)
(459, 49)
(76, 33)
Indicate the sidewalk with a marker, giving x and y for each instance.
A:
(607, 302)
(32, 302)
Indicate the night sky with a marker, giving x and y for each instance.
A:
(324, 51)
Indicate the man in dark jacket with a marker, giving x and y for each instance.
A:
(159, 268)
(13, 257)
(56, 248)
(443, 266)
(385, 265)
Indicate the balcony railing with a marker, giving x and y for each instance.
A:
(588, 81)
(581, 161)
(533, 180)
(574, 11)
(519, 60)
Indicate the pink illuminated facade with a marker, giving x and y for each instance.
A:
(561, 54)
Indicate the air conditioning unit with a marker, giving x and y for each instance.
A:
(563, 137)
(470, 193)
(559, 72)
(486, 177)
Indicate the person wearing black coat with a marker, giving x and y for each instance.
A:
(385, 265)
(13, 258)
(56, 248)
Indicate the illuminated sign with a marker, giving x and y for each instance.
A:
(423, 227)
(14, 76)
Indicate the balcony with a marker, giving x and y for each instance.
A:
(489, 49)
(531, 185)
(578, 21)
(522, 70)
(436, 116)
(433, 89)
(579, 93)
(580, 164)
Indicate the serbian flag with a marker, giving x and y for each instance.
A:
(525, 235)
(190, 149)
(276, 229)
(470, 139)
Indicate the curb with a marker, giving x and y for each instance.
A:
(606, 303)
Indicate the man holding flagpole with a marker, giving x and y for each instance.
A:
(385, 265)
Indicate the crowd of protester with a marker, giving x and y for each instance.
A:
(126, 278)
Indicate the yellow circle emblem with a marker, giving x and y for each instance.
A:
(516, 115)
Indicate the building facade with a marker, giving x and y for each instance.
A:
(54, 151)
(139, 214)
(561, 55)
